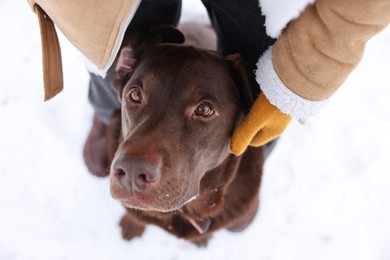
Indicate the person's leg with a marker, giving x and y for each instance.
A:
(240, 28)
(103, 98)
(239, 25)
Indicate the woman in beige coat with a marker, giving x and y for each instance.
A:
(297, 74)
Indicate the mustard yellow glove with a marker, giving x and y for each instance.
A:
(264, 123)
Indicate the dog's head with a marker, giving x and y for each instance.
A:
(179, 106)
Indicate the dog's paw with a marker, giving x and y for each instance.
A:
(130, 228)
(201, 241)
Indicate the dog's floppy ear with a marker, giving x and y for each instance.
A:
(124, 68)
(244, 77)
(135, 44)
(126, 62)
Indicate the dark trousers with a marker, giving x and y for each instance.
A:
(239, 26)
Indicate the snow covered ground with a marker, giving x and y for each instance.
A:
(326, 189)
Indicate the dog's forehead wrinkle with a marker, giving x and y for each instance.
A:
(187, 65)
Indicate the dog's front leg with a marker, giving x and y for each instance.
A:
(131, 227)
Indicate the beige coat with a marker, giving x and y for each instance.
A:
(95, 27)
(317, 51)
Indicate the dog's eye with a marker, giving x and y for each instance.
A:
(135, 95)
(204, 109)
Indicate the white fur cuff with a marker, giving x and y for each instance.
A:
(279, 95)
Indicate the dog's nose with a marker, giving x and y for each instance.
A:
(136, 173)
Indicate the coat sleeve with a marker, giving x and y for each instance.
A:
(317, 51)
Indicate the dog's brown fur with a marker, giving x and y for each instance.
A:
(193, 186)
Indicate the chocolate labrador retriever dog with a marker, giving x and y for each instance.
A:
(179, 105)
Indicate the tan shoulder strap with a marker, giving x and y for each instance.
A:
(51, 55)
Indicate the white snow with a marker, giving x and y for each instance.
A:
(326, 188)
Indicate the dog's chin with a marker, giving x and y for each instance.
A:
(150, 201)
(155, 207)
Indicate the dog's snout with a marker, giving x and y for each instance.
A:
(136, 173)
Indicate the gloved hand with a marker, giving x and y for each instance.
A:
(264, 123)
